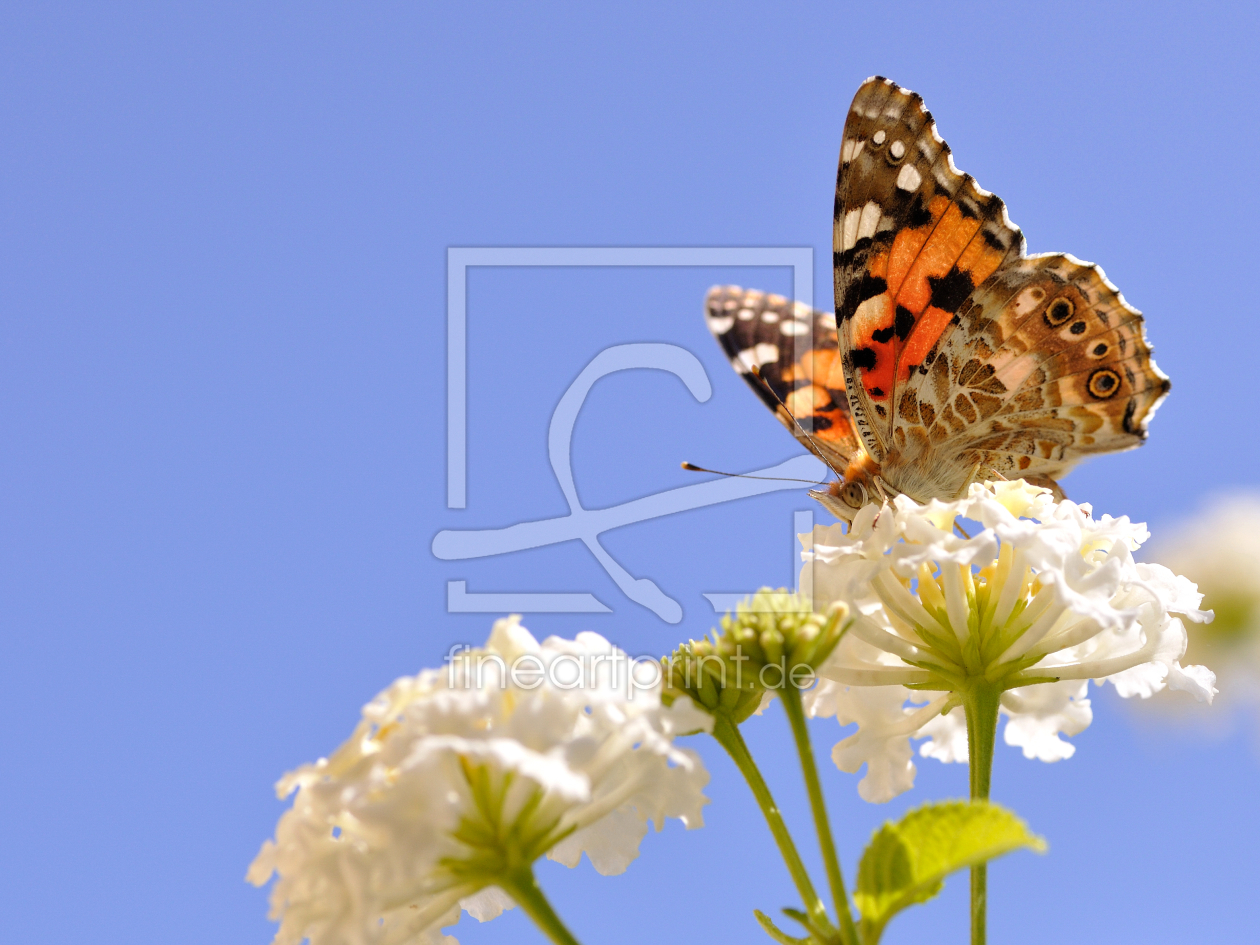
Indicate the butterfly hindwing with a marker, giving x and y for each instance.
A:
(1048, 365)
(799, 375)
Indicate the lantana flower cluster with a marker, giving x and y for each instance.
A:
(1219, 549)
(455, 780)
(1043, 598)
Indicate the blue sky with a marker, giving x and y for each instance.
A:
(223, 407)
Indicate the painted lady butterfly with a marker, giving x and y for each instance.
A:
(952, 356)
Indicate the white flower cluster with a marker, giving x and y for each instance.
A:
(1041, 600)
(456, 778)
(1219, 550)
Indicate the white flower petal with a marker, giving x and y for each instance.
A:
(877, 743)
(1199, 681)
(487, 904)
(611, 845)
(418, 927)
(1039, 714)
(947, 737)
(1142, 681)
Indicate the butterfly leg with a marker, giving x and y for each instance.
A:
(883, 488)
(972, 476)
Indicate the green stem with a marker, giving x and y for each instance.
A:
(980, 702)
(728, 736)
(791, 697)
(520, 885)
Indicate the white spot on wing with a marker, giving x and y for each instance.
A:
(869, 220)
(879, 136)
(909, 178)
(769, 318)
(1028, 300)
(793, 328)
(827, 320)
(897, 149)
(746, 314)
(850, 228)
(851, 148)
(721, 324)
(870, 315)
(755, 356)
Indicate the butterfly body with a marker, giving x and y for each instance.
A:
(952, 357)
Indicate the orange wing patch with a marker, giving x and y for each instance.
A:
(931, 270)
(820, 365)
(883, 325)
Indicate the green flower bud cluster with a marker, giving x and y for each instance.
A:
(696, 669)
(772, 640)
(779, 638)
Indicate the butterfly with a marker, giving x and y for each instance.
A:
(952, 357)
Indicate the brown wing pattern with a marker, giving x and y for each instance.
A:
(1048, 366)
(795, 351)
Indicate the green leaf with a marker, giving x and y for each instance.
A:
(907, 862)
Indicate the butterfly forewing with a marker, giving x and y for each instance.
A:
(912, 239)
(799, 375)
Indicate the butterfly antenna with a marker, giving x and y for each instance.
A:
(692, 467)
(756, 372)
